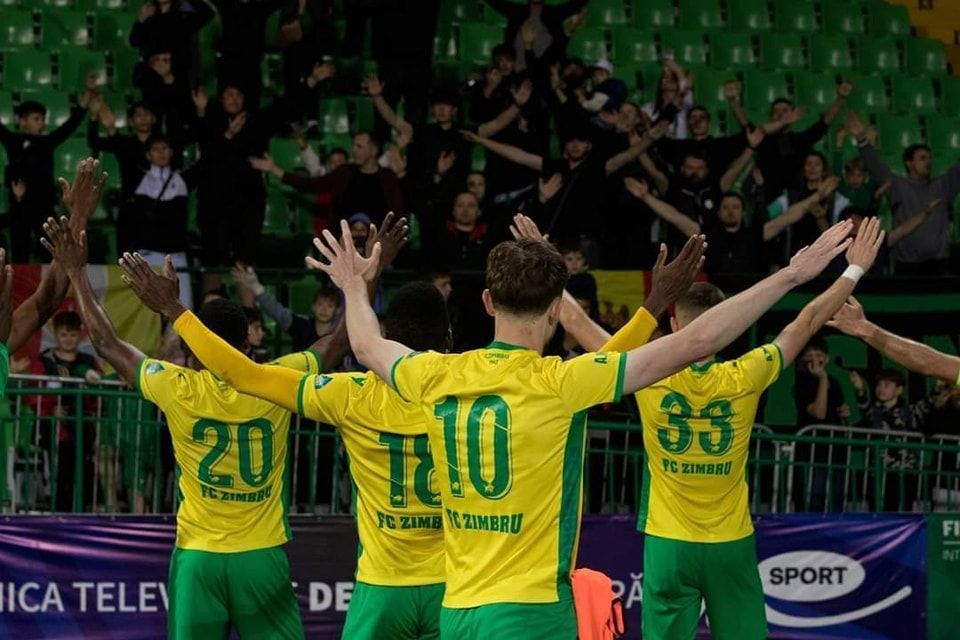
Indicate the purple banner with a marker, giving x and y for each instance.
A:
(104, 578)
(824, 576)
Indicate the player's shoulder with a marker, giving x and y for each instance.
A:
(764, 357)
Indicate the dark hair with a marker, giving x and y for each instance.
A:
(159, 138)
(817, 342)
(139, 104)
(502, 50)
(226, 319)
(417, 317)
(852, 210)
(700, 297)
(737, 195)
(28, 107)
(699, 107)
(525, 276)
(781, 100)
(67, 320)
(894, 376)
(911, 151)
(253, 314)
(339, 150)
(327, 294)
(694, 153)
(817, 154)
(218, 293)
(855, 164)
(374, 140)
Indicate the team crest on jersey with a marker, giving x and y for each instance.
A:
(358, 381)
(321, 381)
(154, 367)
(600, 358)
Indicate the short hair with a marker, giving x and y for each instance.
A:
(697, 154)
(374, 140)
(339, 150)
(67, 320)
(328, 293)
(699, 107)
(502, 50)
(894, 376)
(525, 276)
(216, 293)
(253, 314)
(159, 138)
(911, 151)
(852, 210)
(781, 100)
(140, 104)
(417, 317)
(855, 164)
(817, 154)
(28, 107)
(698, 298)
(226, 319)
(817, 342)
(737, 195)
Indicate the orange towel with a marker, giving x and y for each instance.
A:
(599, 610)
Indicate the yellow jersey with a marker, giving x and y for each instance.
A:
(696, 436)
(231, 452)
(507, 428)
(399, 520)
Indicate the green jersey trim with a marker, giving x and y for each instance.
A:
(780, 353)
(136, 382)
(702, 368)
(300, 388)
(310, 354)
(621, 371)
(505, 346)
(393, 378)
(571, 497)
(644, 508)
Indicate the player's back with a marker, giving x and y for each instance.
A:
(696, 432)
(230, 450)
(507, 429)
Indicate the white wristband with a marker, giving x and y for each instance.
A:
(853, 272)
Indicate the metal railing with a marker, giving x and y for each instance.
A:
(79, 447)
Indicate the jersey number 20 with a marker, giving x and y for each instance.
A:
(223, 441)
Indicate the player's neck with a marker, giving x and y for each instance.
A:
(520, 333)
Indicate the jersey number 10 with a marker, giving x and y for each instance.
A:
(482, 408)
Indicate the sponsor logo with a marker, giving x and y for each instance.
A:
(154, 367)
(319, 382)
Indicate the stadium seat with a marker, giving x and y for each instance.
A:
(94, 5)
(732, 50)
(492, 17)
(47, 5)
(913, 95)
(950, 90)
(749, 15)
(589, 44)
(301, 292)
(75, 64)
(630, 75)
(943, 134)
(6, 111)
(601, 13)
(925, 57)
(64, 28)
(277, 217)
(701, 14)
(888, 19)
(708, 85)
(878, 55)
(332, 141)
(333, 116)
(814, 90)
(68, 156)
(477, 40)
(285, 152)
(761, 88)
(364, 113)
(792, 15)
(689, 47)
(634, 46)
(57, 103)
(782, 51)
(648, 14)
(123, 61)
(17, 29)
(112, 28)
(896, 133)
(830, 53)
(648, 81)
(27, 69)
(445, 44)
(843, 18)
(869, 94)
(456, 11)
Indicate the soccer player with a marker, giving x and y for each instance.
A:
(507, 426)
(228, 566)
(699, 543)
(910, 354)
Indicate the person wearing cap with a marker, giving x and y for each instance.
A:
(608, 92)
(30, 168)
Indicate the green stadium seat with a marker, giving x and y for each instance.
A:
(943, 134)
(478, 158)
(57, 103)
(830, 53)
(649, 79)
(648, 14)
(68, 156)
(27, 69)
(761, 88)
(456, 11)
(491, 17)
(749, 15)
(364, 113)
(634, 46)
(16, 27)
(888, 19)
(118, 102)
(896, 133)
(878, 55)
(869, 94)
(792, 16)
(332, 141)
(112, 28)
(300, 293)
(101, 5)
(913, 95)
(689, 47)
(814, 90)
(285, 152)
(708, 88)
(782, 51)
(843, 18)
(64, 28)
(445, 44)
(278, 216)
(925, 57)
(333, 116)
(74, 66)
(589, 44)
(47, 5)
(630, 74)
(602, 13)
(701, 14)
(730, 50)
(6, 111)
(477, 40)
(950, 90)
(123, 62)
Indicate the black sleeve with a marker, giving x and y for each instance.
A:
(201, 15)
(809, 136)
(63, 132)
(727, 148)
(804, 392)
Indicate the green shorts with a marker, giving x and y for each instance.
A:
(250, 590)
(677, 575)
(394, 613)
(552, 621)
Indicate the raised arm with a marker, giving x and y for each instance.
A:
(915, 356)
(508, 151)
(375, 89)
(754, 138)
(639, 190)
(719, 326)
(71, 253)
(638, 146)
(911, 224)
(732, 91)
(521, 95)
(816, 313)
(797, 210)
(844, 89)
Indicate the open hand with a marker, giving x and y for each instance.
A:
(522, 93)
(68, 250)
(850, 319)
(374, 86)
(246, 277)
(855, 125)
(669, 282)
(524, 227)
(160, 292)
(345, 266)
(82, 197)
(810, 261)
(549, 188)
(865, 246)
(392, 237)
(637, 188)
(264, 164)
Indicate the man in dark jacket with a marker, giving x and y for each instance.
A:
(169, 25)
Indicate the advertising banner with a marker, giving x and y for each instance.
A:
(943, 569)
(104, 578)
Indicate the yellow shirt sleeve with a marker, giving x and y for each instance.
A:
(761, 367)
(324, 397)
(278, 385)
(156, 378)
(410, 373)
(591, 379)
(304, 361)
(635, 333)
